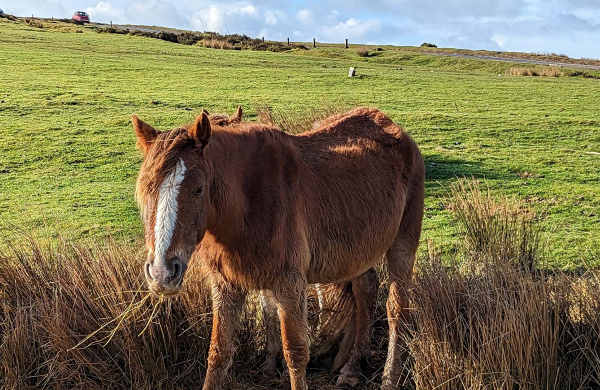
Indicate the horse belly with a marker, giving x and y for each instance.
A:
(345, 257)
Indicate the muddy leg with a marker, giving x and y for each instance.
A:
(227, 305)
(364, 289)
(271, 318)
(291, 299)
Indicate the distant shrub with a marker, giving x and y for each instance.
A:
(259, 45)
(211, 40)
(362, 51)
(427, 44)
(34, 23)
(237, 39)
(188, 38)
(581, 73)
(111, 30)
(167, 36)
(7, 16)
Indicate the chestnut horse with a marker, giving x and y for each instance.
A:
(261, 209)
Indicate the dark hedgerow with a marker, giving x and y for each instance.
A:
(232, 41)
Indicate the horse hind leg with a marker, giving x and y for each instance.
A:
(273, 333)
(358, 331)
(400, 261)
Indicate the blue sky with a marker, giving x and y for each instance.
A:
(569, 27)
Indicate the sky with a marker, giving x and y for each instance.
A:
(570, 27)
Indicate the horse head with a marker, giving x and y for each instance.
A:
(171, 192)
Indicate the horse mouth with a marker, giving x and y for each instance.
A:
(171, 288)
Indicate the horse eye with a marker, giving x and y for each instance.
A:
(198, 191)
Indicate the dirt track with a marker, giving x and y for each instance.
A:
(516, 60)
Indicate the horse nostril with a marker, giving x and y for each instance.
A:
(176, 270)
(147, 270)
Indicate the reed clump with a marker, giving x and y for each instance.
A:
(215, 43)
(544, 71)
(362, 51)
(490, 316)
(295, 122)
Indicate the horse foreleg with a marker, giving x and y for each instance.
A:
(291, 301)
(273, 331)
(227, 305)
(364, 289)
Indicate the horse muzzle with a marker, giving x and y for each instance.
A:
(165, 278)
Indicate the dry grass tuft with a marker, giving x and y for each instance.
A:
(496, 229)
(215, 43)
(488, 317)
(79, 317)
(362, 51)
(295, 122)
(545, 71)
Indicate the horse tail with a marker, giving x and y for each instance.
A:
(340, 319)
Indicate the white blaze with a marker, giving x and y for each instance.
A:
(166, 213)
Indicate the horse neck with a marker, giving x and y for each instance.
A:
(226, 156)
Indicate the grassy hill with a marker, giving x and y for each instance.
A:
(68, 161)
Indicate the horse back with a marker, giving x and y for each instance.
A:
(359, 171)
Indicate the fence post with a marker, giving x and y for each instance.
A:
(346, 43)
(288, 41)
(314, 42)
(111, 24)
(263, 39)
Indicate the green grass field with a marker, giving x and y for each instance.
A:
(68, 160)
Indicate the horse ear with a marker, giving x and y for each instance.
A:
(237, 118)
(200, 131)
(146, 134)
(205, 112)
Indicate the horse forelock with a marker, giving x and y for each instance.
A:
(160, 161)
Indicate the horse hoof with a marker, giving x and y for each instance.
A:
(347, 379)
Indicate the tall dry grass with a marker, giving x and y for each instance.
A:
(79, 317)
(362, 51)
(500, 230)
(485, 317)
(298, 121)
(215, 43)
(490, 318)
(545, 71)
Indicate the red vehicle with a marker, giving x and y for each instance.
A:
(81, 17)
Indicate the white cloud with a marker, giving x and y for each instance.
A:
(304, 15)
(500, 40)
